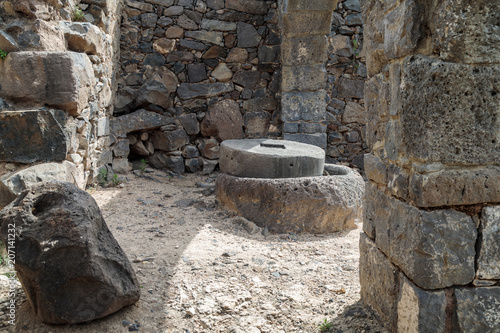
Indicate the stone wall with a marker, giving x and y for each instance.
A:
(210, 69)
(57, 84)
(430, 250)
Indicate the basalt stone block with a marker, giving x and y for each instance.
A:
(403, 29)
(308, 106)
(223, 121)
(138, 120)
(446, 119)
(317, 139)
(209, 148)
(173, 163)
(248, 6)
(269, 54)
(307, 5)
(197, 72)
(380, 282)
(62, 80)
(247, 35)
(467, 32)
(374, 34)
(435, 249)
(259, 104)
(203, 90)
(351, 88)
(321, 204)
(306, 23)
(303, 78)
(193, 164)
(190, 123)
(421, 310)
(478, 310)
(257, 124)
(11, 185)
(247, 79)
(218, 25)
(354, 113)
(214, 37)
(7, 42)
(32, 136)
(489, 249)
(307, 50)
(170, 141)
(455, 187)
(70, 265)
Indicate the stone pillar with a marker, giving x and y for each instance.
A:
(305, 26)
(430, 253)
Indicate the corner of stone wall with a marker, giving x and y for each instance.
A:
(433, 194)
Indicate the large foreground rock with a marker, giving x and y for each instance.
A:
(321, 204)
(71, 267)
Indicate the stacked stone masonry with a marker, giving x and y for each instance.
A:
(430, 250)
(57, 73)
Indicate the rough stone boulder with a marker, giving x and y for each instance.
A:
(69, 264)
(223, 121)
(321, 204)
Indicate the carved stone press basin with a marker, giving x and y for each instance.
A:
(314, 204)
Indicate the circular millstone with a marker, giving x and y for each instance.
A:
(265, 158)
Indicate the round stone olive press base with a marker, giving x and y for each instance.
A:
(280, 185)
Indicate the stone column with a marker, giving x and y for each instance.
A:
(304, 51)
(430, 253)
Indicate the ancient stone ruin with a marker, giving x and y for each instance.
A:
(93, 84)
(279, 185)
(70, 265)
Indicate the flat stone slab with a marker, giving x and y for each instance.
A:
(266, 158)
(321, 204)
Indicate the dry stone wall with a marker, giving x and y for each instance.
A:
(57, 90)
(430, 249)
(208, 70)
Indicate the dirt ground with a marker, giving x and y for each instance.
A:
(201, 269)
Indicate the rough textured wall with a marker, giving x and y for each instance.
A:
(430, 250)
(57, 84)
(206, 71)
(346, 75)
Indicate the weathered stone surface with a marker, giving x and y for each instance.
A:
(32, 136)
(467, 132)
(307, 50)
(164, 3)
(140, 5)
(403, 28)
(183, 21)
(478, 310)
(354, 113)
(380, 282)
(373, 35)
(170, 141)
(377, 100)
(351, 88)
(174, 32)
(190, 123)
(222, 73)
(121, 148)
(208, 166)
(248, 6)
(420, 310)
(173, 11)
(218, 25)
(197, 72)
(375, 169)
(190, 152)
(435, 249)
(308, 204)
(256, 124)
(307, 23)
(193, 164)
(318, 139)
(154, 92)
(175, 56)
(237, 54)
(455, 187)
(11, 185)
(488, 263)
(342, 45)
(467, 32)
(173, 163)
(121, 165)
(213, 37)
(354, 19)
(138, 120)
(203, 90)
(74, 270)
(269, 54)
(259, 104)
(7, 42)
(138, 148)
(306, 5)
(266, 158)
(309, 106)
(209, 148)
(63, 80)
(247, 35)
(247, 79)
(303, 78)
(223, 121)
(164, 45)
